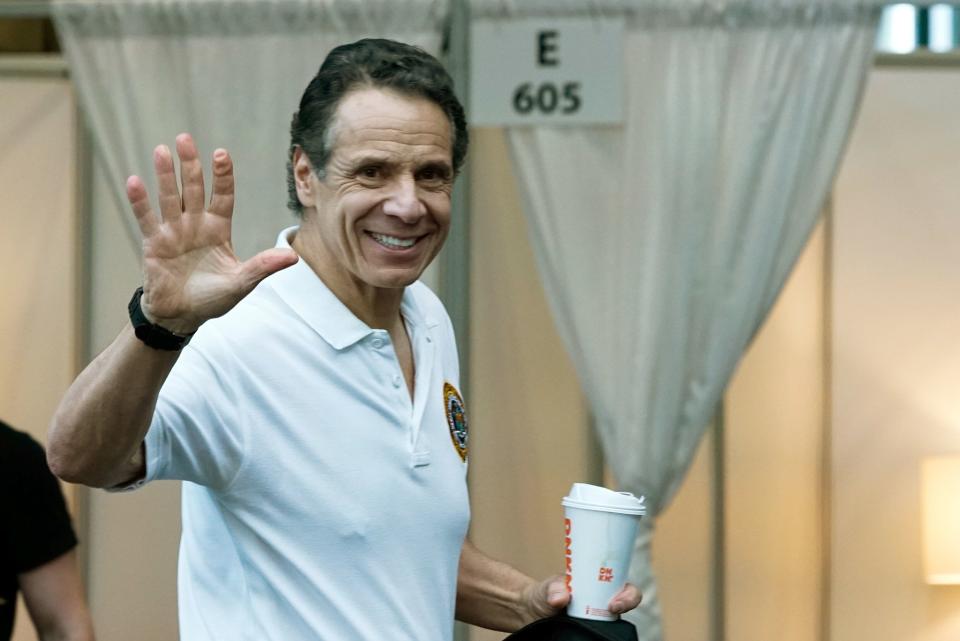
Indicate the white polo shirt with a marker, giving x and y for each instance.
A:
(320, 502)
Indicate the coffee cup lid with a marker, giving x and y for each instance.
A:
(594, 497)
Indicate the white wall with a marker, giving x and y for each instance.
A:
(683, 553)
(39, 258)
(896, 352)
(773, 465)
(38, 250)
(132, 537)
(530, 439)
(528, 423)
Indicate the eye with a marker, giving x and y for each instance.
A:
(371, 171)
(431, 174)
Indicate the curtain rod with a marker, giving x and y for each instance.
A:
(598, 8)
(43, 9)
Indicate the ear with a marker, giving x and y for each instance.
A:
(304, 178)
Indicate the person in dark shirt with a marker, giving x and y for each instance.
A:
(37, 546)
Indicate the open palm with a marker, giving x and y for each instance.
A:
(190, 270)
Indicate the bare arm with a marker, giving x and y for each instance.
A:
(190, 275)
(54, 597)
(494, 595)
(98, 429)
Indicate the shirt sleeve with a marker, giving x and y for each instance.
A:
(197, 433)
(41, 529)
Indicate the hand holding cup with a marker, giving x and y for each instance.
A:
(600, 527)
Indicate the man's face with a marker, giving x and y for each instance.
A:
(383, 207)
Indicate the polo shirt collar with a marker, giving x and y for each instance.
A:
(312, 300)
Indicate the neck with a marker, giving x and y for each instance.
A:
(378, 307)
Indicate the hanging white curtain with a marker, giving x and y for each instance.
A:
(663, 243)
(230, 72)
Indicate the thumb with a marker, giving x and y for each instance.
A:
(267, 262)
(557, 594)
(546, 598)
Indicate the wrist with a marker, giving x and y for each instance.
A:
(527, 610)
(176, 327)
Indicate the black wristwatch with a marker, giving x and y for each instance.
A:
(150, 334)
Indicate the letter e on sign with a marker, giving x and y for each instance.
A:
(551, 71)
(547, 46)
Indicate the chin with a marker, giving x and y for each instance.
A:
(394, 279)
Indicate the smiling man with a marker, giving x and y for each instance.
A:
(315, 413)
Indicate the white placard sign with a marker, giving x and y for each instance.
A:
(547, 71)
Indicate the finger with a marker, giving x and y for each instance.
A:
(170, 206)
(557, 595)
(191, 174)
(140, 203)
(626, 599)
(221, 201)
(267, 262)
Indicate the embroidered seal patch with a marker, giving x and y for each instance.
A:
(456, 419)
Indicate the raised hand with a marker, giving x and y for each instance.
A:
(190, 271)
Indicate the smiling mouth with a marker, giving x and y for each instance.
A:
(393, 242)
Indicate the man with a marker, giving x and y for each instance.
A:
(316, 414)
(37, 546)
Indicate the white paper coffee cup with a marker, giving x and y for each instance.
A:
(600, 527)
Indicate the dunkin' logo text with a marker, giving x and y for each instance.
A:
(569, 578)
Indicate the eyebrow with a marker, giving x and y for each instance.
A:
(384, 159)
(441, 166)
(369, 159)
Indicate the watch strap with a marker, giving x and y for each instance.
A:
(151, 334)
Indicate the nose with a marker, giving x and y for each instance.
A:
(404, 202)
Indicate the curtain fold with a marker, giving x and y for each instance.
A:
(230, 72)
(663, 243)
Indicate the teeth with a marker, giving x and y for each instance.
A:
(392, 241)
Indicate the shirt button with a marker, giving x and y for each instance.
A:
(429, 340)
(377, 343)
(396, 381)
